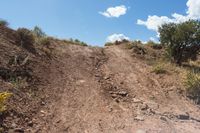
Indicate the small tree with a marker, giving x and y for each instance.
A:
(38, 32)
(182, 40)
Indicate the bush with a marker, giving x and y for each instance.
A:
(154, 45)
(129, 45)
(3, 23)
(3, 98)
(26, 36)
(192, 83)
(77, 42)
(37, 31)
(109, 44)
(19, 83)
(117, 42)
(133, 44)
(182, 40)
(44, 41)
(159, 69)
(26, 39)
(83, 44)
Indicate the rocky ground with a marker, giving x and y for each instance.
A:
(93, 90)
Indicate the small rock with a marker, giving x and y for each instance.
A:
(97, 75)
(58, 121)
(163, 118)
(153, 105)
(26, 119)
(150, 111)
(140, 131)
(30, 123)
(184, 116)
(81, 81)
(111, 92)
(117, 100)
(13, 125)
(110, 109)
(139, 118)
(114, 95)
(135, 100)
(106, 78)
(144, 107)
(43, 112)
(19, 130)
(28, 131)
(172, 88)
(43, 103)
(123, 93)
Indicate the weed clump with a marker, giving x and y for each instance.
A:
(109, 44)
(154, 45)
(26, 39)
(3, 98)
(192, 83)
(159, 69)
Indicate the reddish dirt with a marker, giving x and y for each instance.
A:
(108, 90)
(98, 90)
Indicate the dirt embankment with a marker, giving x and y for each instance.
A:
(108, 90)
(93, 90)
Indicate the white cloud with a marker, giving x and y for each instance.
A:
(152, 39)
(153, 22)
(114, 11)
(117, 37)
(193, 8)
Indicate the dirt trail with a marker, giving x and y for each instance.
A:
(108, 90)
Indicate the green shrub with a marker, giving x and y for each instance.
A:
(77, 42)
(159, 69)
(129, 45)
(83, 44)
(37, 31)
(109, 44)
(44, 41)
(19, 83)
(26, 39)
(137, 47)
(192, 83)
(154, 45)
(3, 23)
(134, 44)
(3, 98)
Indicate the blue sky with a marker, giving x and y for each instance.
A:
(81, 18)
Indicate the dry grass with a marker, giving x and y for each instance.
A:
(19, 83)
(109, 44)
(192, 84)
(159, 69)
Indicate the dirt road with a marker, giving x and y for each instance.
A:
(107, 90)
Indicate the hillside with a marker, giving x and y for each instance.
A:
(63, 87)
